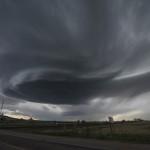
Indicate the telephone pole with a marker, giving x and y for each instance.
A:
(2, 107)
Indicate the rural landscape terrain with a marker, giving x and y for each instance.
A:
(136, 131)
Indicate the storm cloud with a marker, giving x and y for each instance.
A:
(74, 51)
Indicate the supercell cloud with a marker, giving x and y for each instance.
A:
(74, 51)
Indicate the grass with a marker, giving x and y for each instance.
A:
(122, 131)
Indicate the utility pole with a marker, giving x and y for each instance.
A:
(2, 107)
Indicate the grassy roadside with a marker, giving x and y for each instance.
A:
(136, 132)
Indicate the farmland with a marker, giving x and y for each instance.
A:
(132, 131)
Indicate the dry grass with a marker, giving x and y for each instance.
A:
(124, 131)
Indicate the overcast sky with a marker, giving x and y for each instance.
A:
(75, 59)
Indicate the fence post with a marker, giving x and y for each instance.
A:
(111, 130)
(87, 130)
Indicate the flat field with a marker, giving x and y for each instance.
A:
(131, 131)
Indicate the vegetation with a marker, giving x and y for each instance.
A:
(135, 131)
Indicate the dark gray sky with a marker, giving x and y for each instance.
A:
(72, 59)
